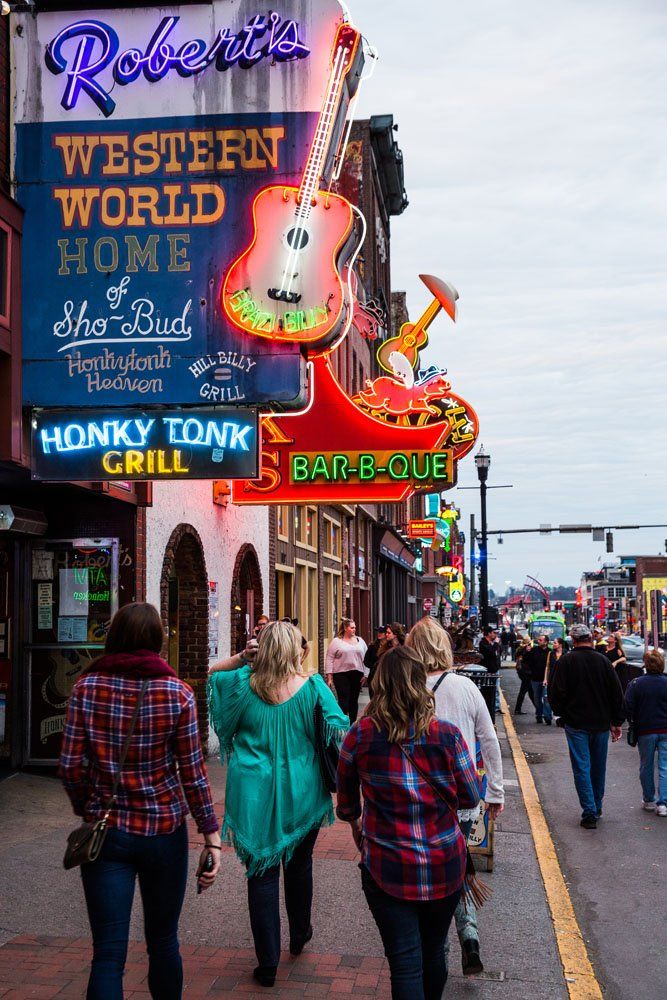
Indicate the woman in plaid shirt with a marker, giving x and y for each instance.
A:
(163, 776)
(413, 854)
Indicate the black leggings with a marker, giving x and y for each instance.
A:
(264, 902)
(525, 689)
(348, 685)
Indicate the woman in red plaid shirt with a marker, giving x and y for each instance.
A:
(163, 776)
(413, 854)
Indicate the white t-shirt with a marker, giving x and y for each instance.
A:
(458, 700)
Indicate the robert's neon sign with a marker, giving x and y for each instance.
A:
(263, 37)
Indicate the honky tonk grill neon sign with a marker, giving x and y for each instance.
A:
(86, 48)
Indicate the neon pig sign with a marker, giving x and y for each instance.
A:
(96, 47)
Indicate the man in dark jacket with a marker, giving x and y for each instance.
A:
(535, 660)
(587, 694)
(489, 649)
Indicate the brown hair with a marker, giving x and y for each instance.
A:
(432, 644)
(654, 661)
(133, 627)
(400, 698)
(398, 630)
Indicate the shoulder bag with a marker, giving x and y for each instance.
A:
(327, 754)
(475, 892)
(85, 843)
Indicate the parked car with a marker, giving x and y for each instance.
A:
(633, 646)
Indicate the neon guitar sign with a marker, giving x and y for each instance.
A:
(287, 284)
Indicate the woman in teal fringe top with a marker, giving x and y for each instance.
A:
(275, 800)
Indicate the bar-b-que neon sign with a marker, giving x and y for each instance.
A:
(263, 37)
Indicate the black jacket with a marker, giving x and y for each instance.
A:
(535, 661)
(490, 653)
(586, 692)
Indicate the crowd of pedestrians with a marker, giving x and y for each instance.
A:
(405, 774)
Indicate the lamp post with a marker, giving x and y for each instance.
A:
(483, 461)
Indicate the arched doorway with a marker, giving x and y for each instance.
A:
(247, 596)
(184, 609)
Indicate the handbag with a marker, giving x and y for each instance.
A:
(475, 892)
(327, 753)
(85, 843)
(632, 735)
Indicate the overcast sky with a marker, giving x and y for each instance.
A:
(535, 141)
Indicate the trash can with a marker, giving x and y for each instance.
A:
(487, 684)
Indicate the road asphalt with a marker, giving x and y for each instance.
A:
(617, 874)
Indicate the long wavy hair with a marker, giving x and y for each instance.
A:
(401, 701)
(278, 658)
(432, 645)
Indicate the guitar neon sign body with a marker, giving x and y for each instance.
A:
(287, 285)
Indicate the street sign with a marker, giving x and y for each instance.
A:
(428, 606)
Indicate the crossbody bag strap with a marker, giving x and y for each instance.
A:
(126, 746)
(438, 682)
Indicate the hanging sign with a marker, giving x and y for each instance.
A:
(113, 444)
(143, 138)
(422, 529)
(404, 434)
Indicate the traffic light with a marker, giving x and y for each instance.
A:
(558, 606)
(610, 541)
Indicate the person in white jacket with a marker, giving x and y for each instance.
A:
(459, 701)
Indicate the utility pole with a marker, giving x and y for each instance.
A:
(483, 461)
(473, 538)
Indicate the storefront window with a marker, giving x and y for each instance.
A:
(305, 527)
(74, 594)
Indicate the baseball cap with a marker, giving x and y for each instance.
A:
(580, 632)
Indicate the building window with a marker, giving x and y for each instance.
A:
(307, 603)
(284, 594)
(332, 605)
(305, 527)
(332, 538)
(282, 522)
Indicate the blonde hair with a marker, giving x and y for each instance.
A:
(400, 699)
(654, 661)
(278, 658)
(432, 645)
(344, 622)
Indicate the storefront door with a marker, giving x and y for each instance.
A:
(73, 596)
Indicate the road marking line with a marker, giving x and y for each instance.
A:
(577, 969)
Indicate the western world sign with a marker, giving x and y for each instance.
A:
(126, 444)
(143, 139)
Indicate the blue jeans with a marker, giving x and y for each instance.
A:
(588, 756)
(161, 864)
(649, 746)
(264, 902)
(413, 936)
(542, 706)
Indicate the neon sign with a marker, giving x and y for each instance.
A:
(264, 321)
(101, 445)
(95, 47)
(372, 467)
(422, 529)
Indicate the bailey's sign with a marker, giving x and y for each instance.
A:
(70, 445)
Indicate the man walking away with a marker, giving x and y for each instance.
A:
(587, 694)
(490, 651)
(536, 662)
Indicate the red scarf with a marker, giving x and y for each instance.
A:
(141, 663)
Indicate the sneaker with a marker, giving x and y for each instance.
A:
(519, 711)
(661, 810)
(471, 963)
(547, 722)
(648, 806)
(538, 721)
(589, 823)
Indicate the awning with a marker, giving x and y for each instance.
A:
(396, 550)
(22, 521)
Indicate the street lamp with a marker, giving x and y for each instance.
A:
(483, 462)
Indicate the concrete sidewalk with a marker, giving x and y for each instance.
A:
(45, 938)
